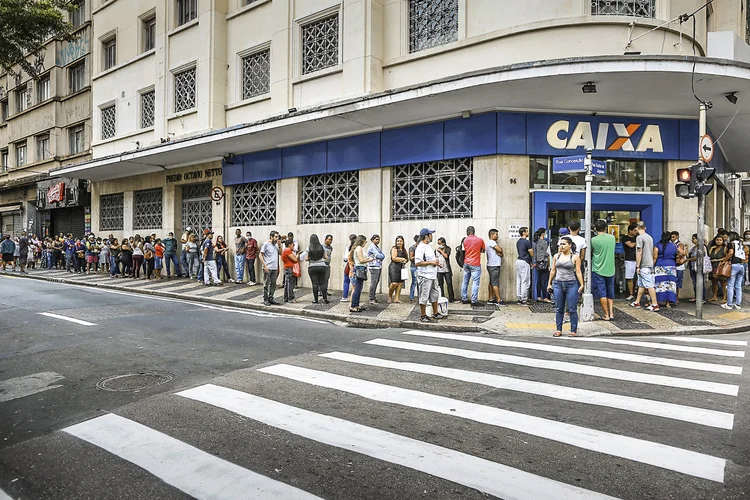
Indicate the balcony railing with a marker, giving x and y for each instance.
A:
(633, 8)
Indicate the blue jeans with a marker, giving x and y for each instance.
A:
(473, 273)
(734, 285)
(114, 266)
(239, 267)
(171, 258)
(566, 292)
(356, 292)
(413, 289)
(347, 282)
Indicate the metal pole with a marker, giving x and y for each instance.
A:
(701, 222)
(587, 309)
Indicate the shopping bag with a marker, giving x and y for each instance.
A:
(405, 273)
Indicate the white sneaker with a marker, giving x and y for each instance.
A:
(737, 306)
(251, 283)
(630, 298)
(343, 299)
(726, 306)
(230, 280)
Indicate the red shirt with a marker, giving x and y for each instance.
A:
(288, 263)
(251, 251)
(159, 250)
(473, 246)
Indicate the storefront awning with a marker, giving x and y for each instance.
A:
(10, 208)
(646, 86)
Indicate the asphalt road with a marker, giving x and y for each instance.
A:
(254, 406)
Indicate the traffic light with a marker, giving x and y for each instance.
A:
(685, 183)
(703, 172)
(692, 181)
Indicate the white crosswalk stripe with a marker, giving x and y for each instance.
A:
(740, 343)
(659, 345)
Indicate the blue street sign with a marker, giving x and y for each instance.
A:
(599, 167)
(575, 164)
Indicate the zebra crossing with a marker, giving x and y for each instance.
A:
(589, 418)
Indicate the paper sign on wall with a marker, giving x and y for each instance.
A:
(513, 231)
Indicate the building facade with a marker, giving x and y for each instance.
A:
(386, 116)
(45, 123)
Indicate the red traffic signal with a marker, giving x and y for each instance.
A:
(684, 175)
(685, 183)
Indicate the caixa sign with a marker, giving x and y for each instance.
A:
(611, 137)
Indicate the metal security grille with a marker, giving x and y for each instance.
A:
(147, 209)
(432, 23)
(638, 8)
(108, 122)
(184, 90)
(111, 212)
(330, 198)
(196, 207)
(254, 204)
(433, 190)
(256, 74)
(320, 44)
(148, 104)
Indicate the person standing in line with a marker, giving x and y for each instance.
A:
(645, 258)
(628, 244)
(566, 283)
(375, 266)
(692, 260)
(328, 248)
(92, 254)
(427, 274)
(7, 247)
(158, 258)
(251, 253)
(57, 251)
(221, 259)
(494, 262)
(137, 256)
(603, 269)
(104, 256)
(348, 270)
(413, 268)
(445, 272)
(578, 241)
(359, 260)
(149, 256)
(187, 270)
(399, 258)
(114, 257)
(734, 284)
(269, 258)
(240, 247)
(316, 255)
(170, 255)
(23, 252)
(210, 272)
(69, 252)
(473, 248)
(202, 265)
(541, 264)
(289, 258)
(190, 251)
(718, 254)
(680, 261)
(746, 243)
(79, 258)
(523, 265)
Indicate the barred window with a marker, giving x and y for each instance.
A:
(108, 122)
(433, 190)
(196, 207)
(320, 44)
(254, 204)
(432, 23)
(256, 74)
(637, 8)
(184, 90)
(147, 209)
(111, 212)
(330, 198)
(148, 105)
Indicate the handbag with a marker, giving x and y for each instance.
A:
(360, 273)
(296, 270)
(723, 269)
(405, 273)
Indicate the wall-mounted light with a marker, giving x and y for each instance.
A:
(292, 110)
(731, 97)
(466, 114)
(589, 88)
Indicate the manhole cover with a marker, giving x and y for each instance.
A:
(134, 382)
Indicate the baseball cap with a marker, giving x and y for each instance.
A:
(564, 231)
(206, 231)
(424, 232)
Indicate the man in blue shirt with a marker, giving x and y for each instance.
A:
(69, 248)
(7, 248)
(523, 265)
(375, 265)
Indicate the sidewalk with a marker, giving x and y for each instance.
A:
(535, 319)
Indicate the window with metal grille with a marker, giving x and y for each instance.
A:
(76, 77)
(329, 198)
(22, 99)
(76, 139)
(196, 207)
(254, 204)
(184, 90)
(111, 212)
(147, 209)
(432, 23)
(109, 122)
(320, 44)
(256, 74)
(637, 8)
(42, 147)
(21, 157)
(109, 52)
(149, 33)
(187, 10)
(148, 105)
(433, 190)
(78, 14)
(43, 89)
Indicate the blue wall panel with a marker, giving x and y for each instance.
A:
(412, 144)
(689, 140)
(466, 137)
(511, 133)
(262, 166)
(306, 159)
(354, 153)
(232, 173)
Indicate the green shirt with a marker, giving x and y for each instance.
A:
(603, 254)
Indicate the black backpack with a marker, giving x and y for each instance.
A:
(460, 253)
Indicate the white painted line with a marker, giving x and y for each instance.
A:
(27, 385)
(661, 345)
(486, 476)
(4, 496)
(594, 371)
(66, 318)
(635, 358)
(197, 473)
(708, 341)
(692, 414)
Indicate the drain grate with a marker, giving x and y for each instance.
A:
(134, 382)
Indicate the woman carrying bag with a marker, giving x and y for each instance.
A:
(721, 269)
(567, 282)
(397, 273)
(360, 259)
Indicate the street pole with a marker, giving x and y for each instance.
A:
(701, 223)
(587, 309)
